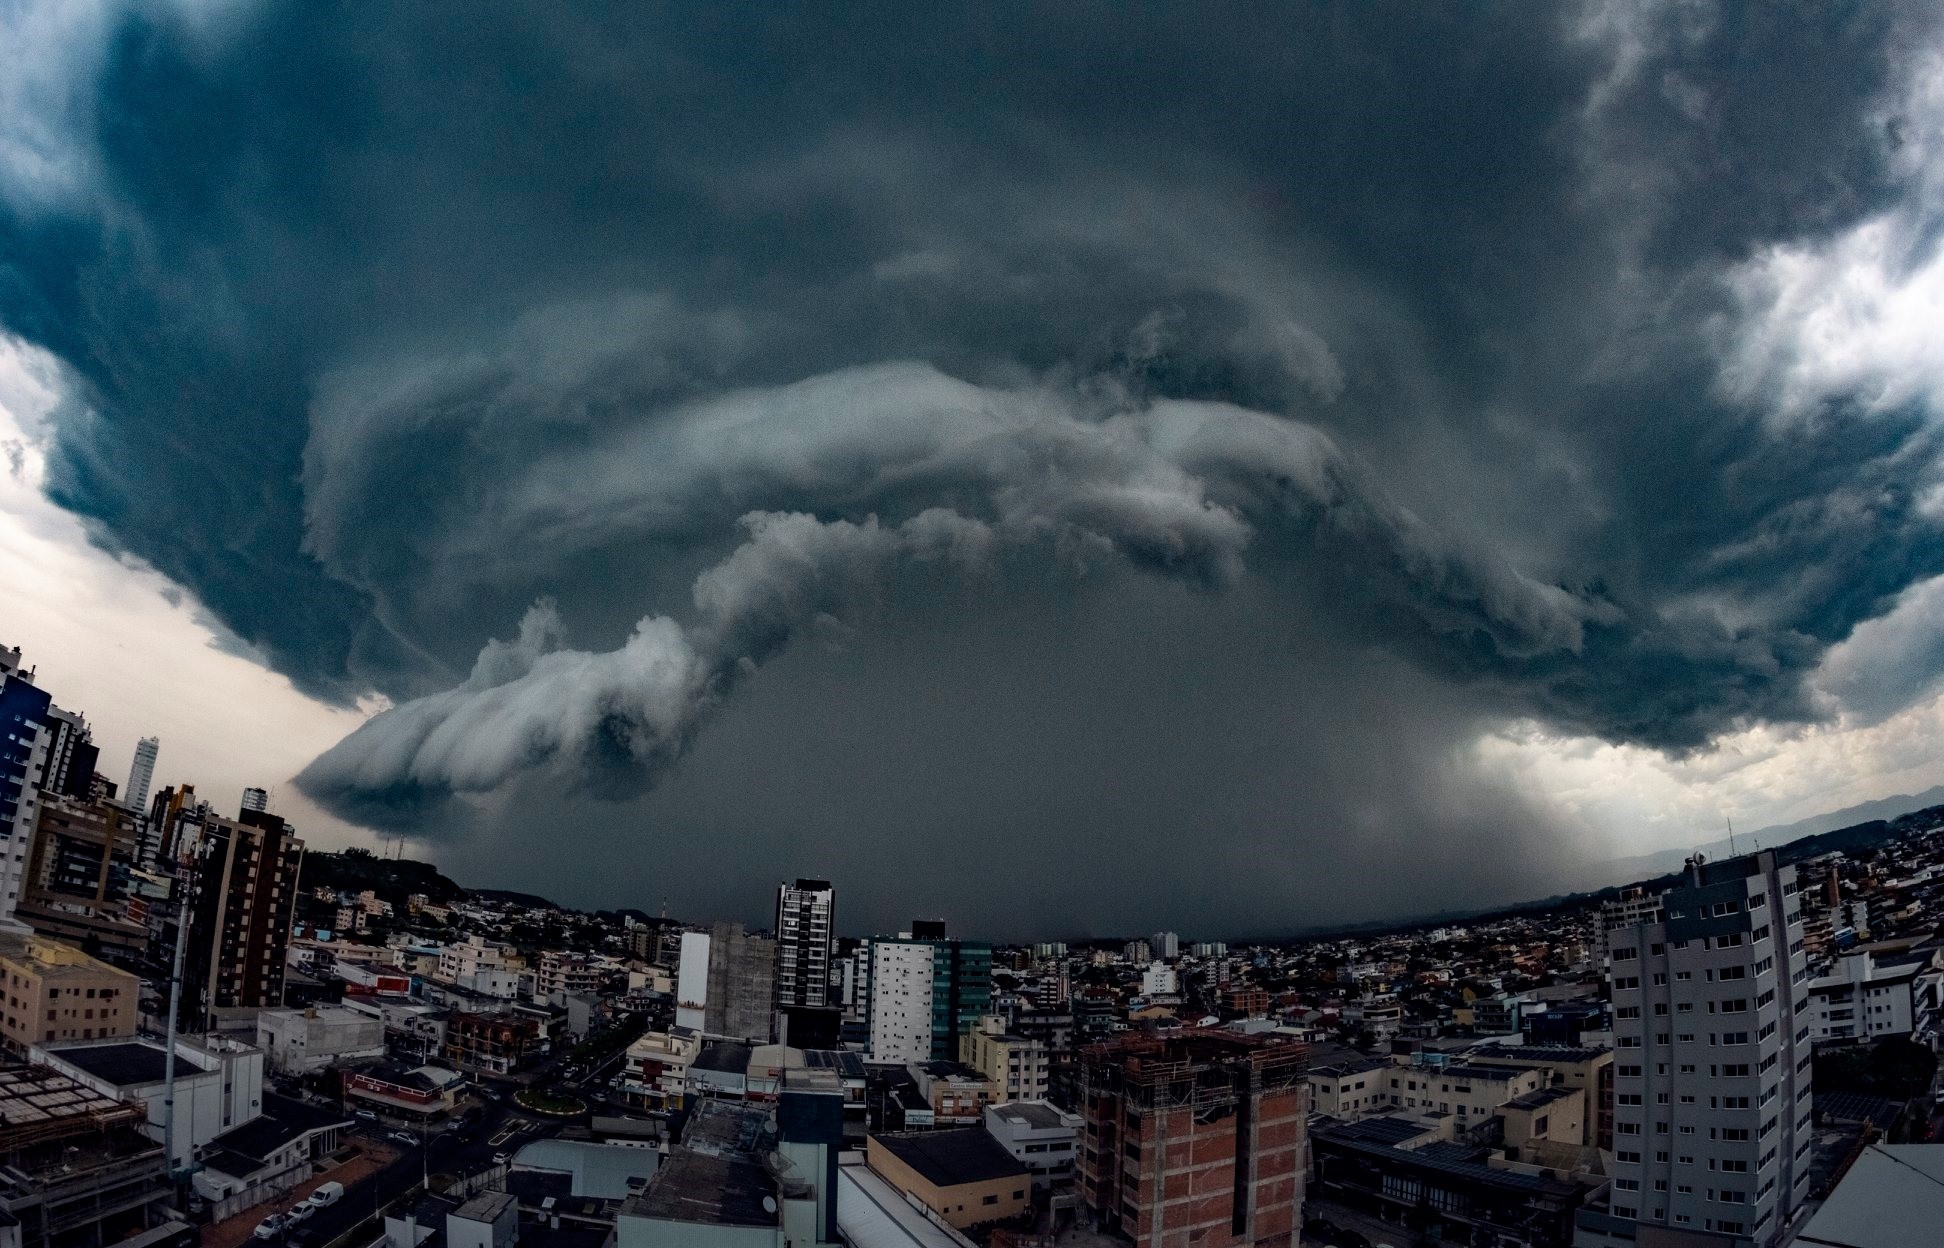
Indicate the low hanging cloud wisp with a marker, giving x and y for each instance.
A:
(1176, 488)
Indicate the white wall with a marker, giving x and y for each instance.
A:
(901, 1002)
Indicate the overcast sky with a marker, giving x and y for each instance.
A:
(1062, 472)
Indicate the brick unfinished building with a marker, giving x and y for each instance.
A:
(1197, 1138)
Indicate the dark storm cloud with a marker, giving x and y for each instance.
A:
(717, 327)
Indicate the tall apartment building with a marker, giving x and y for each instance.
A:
(1711, 1062)
(1198, 1139)
(926, 993)
(242, 900)
(75, 886)
(141, 771)
(71, 754)
(805, 943)
(255, 799)
(24, 738)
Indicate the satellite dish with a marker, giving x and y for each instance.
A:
(769, 1204)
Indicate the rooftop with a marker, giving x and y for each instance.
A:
(949, 1158)
(283, 1120)
(708, 1188)
(1037, 1114)
(1892, 1196)
(1542, 1098)
(727, 1056)
(126, 1063)
(38, 1103)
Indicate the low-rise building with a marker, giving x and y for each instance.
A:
(218, 1083)
(412, 1092)
(1588, 1067)
(1396, 1168)
(1350, 1090)
(1018, 1066)
(272, 1153)
(297, 1042)
(1040, 1136)
(654, 1075)
(1862, 999)
(492, 1043)
(964, 1177)
(956, 1093)
(55, 992)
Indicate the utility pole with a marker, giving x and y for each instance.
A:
(181, 885)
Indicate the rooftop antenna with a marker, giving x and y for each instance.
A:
(1731, 837)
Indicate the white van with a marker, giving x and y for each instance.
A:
(326, 1194)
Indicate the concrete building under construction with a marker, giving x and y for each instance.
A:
(76, 1169)
(1195, 1138)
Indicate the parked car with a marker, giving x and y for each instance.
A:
(403, 1137)
(326, 1194)
(298, 1212)
(365, 1115)
(500, 1159)
(271, 1226)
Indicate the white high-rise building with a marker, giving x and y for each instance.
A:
(141, 773)
(1711, 1064)
(805, 942)
(1165, 945)
(692, 982)
(901, 1000)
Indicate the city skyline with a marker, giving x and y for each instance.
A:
(1284, 498)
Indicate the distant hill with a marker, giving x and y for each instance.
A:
(392, 879)
(1776, 835)
(506, 896)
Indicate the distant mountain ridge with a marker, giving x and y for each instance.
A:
(1775, 836)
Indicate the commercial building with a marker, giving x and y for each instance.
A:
(655, 1072)
(1040, 1136)
(243, 900)
(1019, 1067)
(297, 1042)
(1194, 1138)
(54, 992)
(1446, 1191)
(492, 1043)
(1712, 1056)
(254, 799)
(806, 937)
(414, 1092)
(218, 1083)
(964, 1177)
